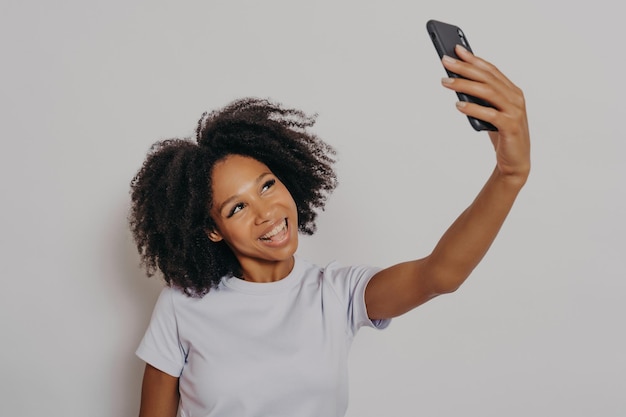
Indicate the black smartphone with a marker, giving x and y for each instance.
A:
(445, 37)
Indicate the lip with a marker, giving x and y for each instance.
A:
(270, 228)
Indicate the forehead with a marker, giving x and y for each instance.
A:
(234, 172)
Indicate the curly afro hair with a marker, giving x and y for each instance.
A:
(171, 194)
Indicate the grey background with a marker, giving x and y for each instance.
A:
(86, 87)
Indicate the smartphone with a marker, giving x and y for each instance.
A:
(445, 37)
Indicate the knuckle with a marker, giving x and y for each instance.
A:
(491, 68)
(518, 98)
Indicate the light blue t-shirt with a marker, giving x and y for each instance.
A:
(262, 349)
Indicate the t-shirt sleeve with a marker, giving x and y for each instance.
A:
(161, 346)
(349, 283)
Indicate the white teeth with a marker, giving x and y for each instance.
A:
(282, 226)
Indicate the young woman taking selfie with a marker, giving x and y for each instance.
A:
(245, 327)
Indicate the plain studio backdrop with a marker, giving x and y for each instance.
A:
(86, 87)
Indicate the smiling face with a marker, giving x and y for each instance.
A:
(256, 216)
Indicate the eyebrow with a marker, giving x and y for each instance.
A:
(236, 196)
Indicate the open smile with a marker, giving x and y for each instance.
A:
(277, 234)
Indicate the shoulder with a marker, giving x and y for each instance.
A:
(175, 298)
(345, 280)
(334, 271)
(337, 272)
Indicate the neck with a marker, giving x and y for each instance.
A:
(267, 271)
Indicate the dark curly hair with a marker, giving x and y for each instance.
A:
(171, 194)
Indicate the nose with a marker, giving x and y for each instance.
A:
(263, 211)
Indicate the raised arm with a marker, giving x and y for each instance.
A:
(159, 394)
(400, 288)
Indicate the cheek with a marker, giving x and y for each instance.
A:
(292, 206)
(235, 228)
(286, 196)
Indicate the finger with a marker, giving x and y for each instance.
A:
(487, 114)
(474, 77)
(497, 96)
(473, 72)
(485, 73)
(490, 84)
(467, 56)
(511, 100)
(510, 122)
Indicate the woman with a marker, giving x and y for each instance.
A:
(245, 327)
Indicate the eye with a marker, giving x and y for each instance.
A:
(268, 184)
(236, 208)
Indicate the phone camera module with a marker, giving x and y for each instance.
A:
(462, 37)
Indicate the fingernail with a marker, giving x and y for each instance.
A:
(447, 80)
(464, 49)
(448, 59)
(460, 104)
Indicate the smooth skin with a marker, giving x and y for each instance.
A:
(256, 216)
(159, 394)
(261, 207)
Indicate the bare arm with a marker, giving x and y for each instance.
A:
(400, 288)
(159, 394)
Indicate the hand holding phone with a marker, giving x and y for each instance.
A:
(445, 37)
